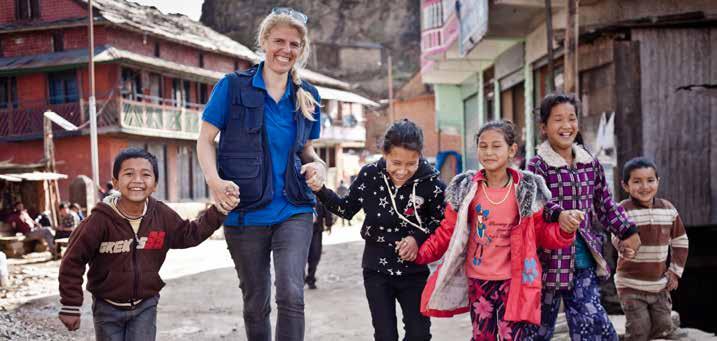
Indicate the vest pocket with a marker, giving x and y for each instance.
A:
(244, 170)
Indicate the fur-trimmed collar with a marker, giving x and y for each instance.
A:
(532, 192)
(553, 159)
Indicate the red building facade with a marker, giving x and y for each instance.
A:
(153, 74)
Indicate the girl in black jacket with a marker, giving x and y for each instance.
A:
(402, 197)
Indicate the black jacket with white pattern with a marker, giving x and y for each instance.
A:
(383, 227)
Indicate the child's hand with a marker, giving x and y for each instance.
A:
(315, 175)
(407, 248)
(625, 251)
(224, 193)
(230, 202)
(672, 280)
(570, 220)
(72, 322)
(630, 246)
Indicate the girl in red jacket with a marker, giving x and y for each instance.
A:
(488, 239)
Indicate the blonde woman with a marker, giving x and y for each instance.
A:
(267, 116)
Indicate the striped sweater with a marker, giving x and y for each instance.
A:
(663, 238)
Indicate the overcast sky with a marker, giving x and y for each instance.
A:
(190, 8)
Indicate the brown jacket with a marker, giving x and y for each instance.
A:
(124, 267)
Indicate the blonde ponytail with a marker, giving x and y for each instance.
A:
(304, 100)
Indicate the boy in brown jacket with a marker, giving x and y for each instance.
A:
(645, 281)
(125, 241)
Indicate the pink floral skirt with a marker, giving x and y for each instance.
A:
(487, 300)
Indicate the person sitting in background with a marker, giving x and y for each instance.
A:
(43, 218)
(109, 191)
(21, 222)
(68, 221)
(75, 207)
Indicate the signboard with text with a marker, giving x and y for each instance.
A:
(473, 21)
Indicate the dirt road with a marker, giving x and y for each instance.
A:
(202, 301)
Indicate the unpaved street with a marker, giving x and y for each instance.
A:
(202, 301)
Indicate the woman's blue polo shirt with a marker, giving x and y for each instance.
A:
(281, 131)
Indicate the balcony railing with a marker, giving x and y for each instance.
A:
(139, 115)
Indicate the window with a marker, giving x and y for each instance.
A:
(201, 93)
(201, 59)
(57, 41)
(156, 49)
(8, 92)
(180, 92)
(155, 88)
(185, 96)
(131, 83)
(63, 87)
(27, 9)
(159, 150)
(236, 65)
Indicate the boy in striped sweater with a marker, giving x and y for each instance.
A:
(644, 282)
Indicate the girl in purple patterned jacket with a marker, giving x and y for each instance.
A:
(577, 181)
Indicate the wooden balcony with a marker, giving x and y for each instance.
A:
(136, 115)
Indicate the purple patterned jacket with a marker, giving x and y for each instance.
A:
(582, 187)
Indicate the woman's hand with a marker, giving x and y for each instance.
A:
(225, 194)
(315, 175)
(407, 249)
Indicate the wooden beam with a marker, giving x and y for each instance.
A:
(529, 3)
(628, 105)
(571, 49)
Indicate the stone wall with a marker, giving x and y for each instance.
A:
(351, 28)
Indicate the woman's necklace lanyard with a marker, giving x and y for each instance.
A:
(415, 208)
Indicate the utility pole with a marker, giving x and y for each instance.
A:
(92, 104)
(571, 48)
(52, 195)
(549, 28)
(391, 112)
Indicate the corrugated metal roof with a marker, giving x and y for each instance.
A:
(107, 53)
(344, 96)
(319, 79)
(34, 176)
(104, 53)
(176, 27)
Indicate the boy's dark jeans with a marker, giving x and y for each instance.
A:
(382, 291)
(647, 315)
(251, 248)
(116, 324)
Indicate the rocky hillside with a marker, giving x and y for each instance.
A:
(352, 37)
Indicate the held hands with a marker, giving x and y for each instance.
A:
(407, 249)
(72, 322)
(570, 220)
(672, 281)
(225, 194)
(315, 175)
(628, 248)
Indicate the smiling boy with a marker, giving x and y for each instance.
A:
(125, 241)
(644, 282)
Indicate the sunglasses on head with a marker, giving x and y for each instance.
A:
(301, 17)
